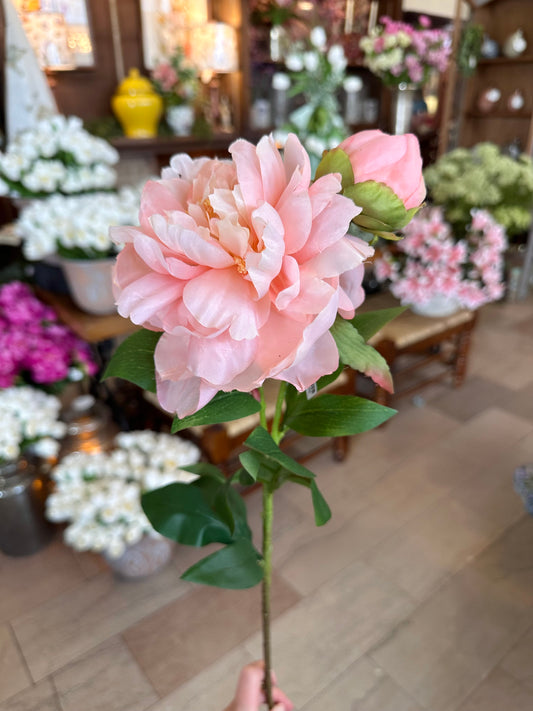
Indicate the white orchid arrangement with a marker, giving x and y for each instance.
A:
(30, 421)
(76, 227)
(57, 156)
(317, 72)
(100, 493)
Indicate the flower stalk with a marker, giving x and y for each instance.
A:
(268, 515)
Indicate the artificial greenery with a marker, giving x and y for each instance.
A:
(469, 50)
(483, 177)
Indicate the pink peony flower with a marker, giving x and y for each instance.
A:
(392, 160)
(244, 266)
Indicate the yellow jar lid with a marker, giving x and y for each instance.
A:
(135, 84)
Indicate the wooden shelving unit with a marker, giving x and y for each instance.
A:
(500, 18)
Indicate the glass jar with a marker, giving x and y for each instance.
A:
(23, 490)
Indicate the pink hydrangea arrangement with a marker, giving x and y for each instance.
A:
(35, 349)
(242, 271)
(431, 260)
(400, 53)
(176, 79)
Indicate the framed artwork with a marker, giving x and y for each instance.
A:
(70, 14)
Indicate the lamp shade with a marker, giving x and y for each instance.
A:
(214, 47)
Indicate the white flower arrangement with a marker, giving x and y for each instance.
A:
(57, 156)
(316, 73)
(29, 420)
(76, 226)
(100, 494)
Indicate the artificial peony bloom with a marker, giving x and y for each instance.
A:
(243, 265)
(392, 160)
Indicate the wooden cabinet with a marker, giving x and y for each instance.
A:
(501, 124)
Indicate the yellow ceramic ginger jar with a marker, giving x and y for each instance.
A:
(137, 106)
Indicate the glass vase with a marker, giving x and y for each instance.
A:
(402, 106)
(23, 526)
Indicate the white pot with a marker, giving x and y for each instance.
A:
(90, 283)
(180, 119)
(438, 306)
(143, 558)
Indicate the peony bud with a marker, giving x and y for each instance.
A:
(383, 175)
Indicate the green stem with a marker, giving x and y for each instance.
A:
(277, 435)
(268, 513)
(262, 413)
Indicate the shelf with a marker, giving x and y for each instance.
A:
(522, 59)
(174, 144)
(497, 115)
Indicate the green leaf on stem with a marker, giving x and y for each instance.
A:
(222, 408)
(261, 442)
(133, 360)
(369, 323)
(320, 506)
(205, 469)
(330, 415)
(336, 161)
(353, 351)
(180, 512)
(236, 567)
(261, 469)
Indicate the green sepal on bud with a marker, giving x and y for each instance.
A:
(383, 212)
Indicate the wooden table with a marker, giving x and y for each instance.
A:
(422, 341)
(90, 327)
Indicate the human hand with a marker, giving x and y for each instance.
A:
(249, 695)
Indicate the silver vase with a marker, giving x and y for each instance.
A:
(402, 105)
(23, 527)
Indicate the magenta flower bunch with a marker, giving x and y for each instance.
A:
(431, 260)
(400, 53)
(35, 349)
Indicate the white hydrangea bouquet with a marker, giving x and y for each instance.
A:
(76, 227)
(30, 423)
(317, 73)
(100, 493)
(57, 156)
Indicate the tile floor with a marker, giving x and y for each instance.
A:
(417, 596)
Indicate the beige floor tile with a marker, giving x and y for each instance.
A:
(364, 686)
(418, 482)
(350, 541)
(487, 436)
(430, 547)
(507, 564)
(176, 643)
(326, 632)
(14, 676)
(71, 624)
(517, 661)
(40, 697)
(474, 396)
(210, 690)
(520, 403)
(31, 580)
(498, 692)
(106, 678)
(453, 641)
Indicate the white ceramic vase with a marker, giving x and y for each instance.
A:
(143, 558)
(181, 119)
(90, 282)
(439, 305)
